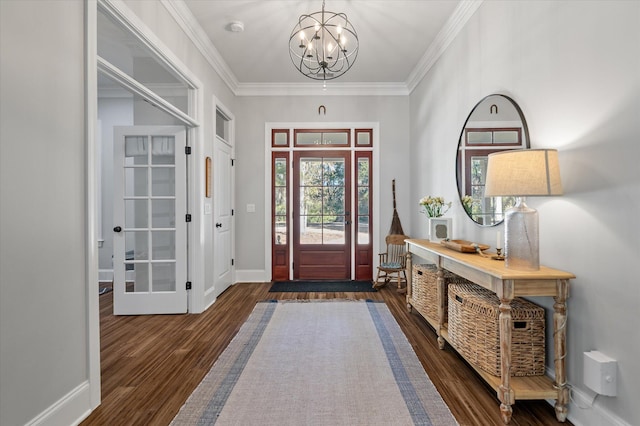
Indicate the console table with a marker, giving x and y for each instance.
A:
(506, 284)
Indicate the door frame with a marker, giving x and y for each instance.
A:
(375, 176)
(195, 139)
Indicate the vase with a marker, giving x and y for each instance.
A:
(439, 229)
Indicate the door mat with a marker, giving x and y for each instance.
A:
(344, 286)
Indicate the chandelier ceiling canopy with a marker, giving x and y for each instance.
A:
(323, 45)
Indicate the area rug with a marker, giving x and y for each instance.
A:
(322, 286)
(317, 363)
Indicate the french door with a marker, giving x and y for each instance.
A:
(149, 243)
(321, 215)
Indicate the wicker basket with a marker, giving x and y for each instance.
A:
(474, 331)
(424, 289)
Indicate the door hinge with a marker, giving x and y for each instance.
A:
(187, 217)
(187, 150)
(232, 262)
(232, 162)
(232, 212)
(188, 286)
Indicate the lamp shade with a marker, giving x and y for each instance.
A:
(523, 173)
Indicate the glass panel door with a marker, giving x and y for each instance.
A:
(322, 220)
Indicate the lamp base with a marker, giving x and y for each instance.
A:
(522, 250)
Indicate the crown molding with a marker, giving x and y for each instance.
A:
(185, 19)
(447, 34)
(318, 89)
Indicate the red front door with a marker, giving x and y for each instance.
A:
(321, 215)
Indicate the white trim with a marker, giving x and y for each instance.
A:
(119, 11)
(189, 24)
(252, 275)
(134, 86)
(447, 34)
(318, 89)
(185, 19)
(65, 410)
(91, 194)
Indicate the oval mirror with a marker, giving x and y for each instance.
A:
(495, 124)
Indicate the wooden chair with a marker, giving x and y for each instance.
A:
(393, 263)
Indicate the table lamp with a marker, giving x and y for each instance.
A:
(522, 173)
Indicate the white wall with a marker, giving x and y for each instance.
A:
(253, 112)
(574, 69)
(43, 314)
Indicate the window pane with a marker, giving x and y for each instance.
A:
(163, 181)
(479, 138)
(130, 55)
(164, 276)
(281, 138)
(281, 201)
(363, 139)
(363, 172)
(363, 200)
(310, 171)
(333, 172)
(310, 229)
(163, 245)
(311, 202)
(333, 231)
(135, 182)
(222, 126)
(163, 150)
(335, 138)
(281, 171)
(163, 214)
(135, 150)
(137, 278)
(308, 138)
(506, 136)
(322, 138)
(363, 230)
(136, 213)
(281, 229)
(333, 202)
(136, 245)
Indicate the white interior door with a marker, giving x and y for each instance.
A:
(223, 218)
(149, 242)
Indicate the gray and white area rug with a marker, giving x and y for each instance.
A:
(317, 363)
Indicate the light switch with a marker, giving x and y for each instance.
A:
(251, 208)
(207, 208)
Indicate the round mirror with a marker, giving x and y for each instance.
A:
(495, 124)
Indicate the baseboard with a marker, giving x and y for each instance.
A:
(585, 411)
(251, 276)
(209, 298)
(71, 409)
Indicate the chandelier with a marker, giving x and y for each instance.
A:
(323, 45)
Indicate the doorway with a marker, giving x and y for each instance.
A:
(322, 212)
(321, 215)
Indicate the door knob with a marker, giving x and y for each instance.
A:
(117, 229)
(218, 225)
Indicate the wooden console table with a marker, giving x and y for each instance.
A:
(507, 284)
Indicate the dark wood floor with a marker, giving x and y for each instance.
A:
(151, 364)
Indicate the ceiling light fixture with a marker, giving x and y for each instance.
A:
(323, 45)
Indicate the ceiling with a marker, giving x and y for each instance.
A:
(396, 36)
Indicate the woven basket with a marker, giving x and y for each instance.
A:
(424, 289)
(474, 331)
